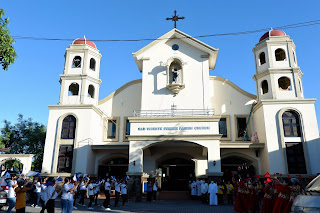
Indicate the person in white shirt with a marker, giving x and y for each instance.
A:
(51, 195)
(83, 190)
(107, 190)
(11, 193)
(68, 190)
(37, 192)
(91, 189)
(213, 190)
(124, 195)
(204, 191)
(154, 190)
(117, 192)
(193, 187)
(43, 194)
(96, 192)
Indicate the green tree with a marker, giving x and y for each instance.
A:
(7, 52)
(25, 137)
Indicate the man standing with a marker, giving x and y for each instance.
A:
(154, 190)
(11, 193)
(117, 192)
(213, 190)
(107, 190)
(193, 187)
(204, 190)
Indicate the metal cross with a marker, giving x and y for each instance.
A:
(175, 18)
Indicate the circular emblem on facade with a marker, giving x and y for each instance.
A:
(175, 47)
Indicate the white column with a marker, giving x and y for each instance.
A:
(214, 160)
(135, 158)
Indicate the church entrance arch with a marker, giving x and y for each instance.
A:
(116, 166)
(177, 171)
(235, 165)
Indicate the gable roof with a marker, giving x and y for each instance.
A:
(175, 33)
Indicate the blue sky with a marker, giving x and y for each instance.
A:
(32, 83)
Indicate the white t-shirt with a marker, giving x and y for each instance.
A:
(83, 186)
(43, 193)
(123, 188)
(155, 188)
(107, 186)
(90, 189)
(97, 189)
(65, 194)
(38, 188)
(71, 185)
(117, 186)
(11, 192)
(50, 190)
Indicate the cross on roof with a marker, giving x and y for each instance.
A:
(175, 18)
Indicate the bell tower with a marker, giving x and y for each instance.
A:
(278, 76)
(80, 81)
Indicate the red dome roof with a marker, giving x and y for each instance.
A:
(272, 33)
(84, 41)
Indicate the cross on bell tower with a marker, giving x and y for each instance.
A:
(175, 18)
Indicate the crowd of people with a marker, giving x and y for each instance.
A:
(259, 194)
(45, 190)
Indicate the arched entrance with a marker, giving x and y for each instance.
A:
(235, 165)
(19, 162)
(176, 173)
(113, 167)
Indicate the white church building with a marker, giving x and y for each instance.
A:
(178, 123)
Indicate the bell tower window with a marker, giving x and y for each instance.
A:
(68, 127)
(262, 58)
(92, 64)
(76, 63)
(73, 89)
(280, 55)
(91, 91)
(284, 84)
(264, 87)
(291, 124)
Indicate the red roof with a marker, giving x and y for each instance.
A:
(84, 41)
(272, 33)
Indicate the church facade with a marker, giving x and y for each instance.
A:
(178, 123)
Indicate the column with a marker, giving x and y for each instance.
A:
(214, 160)
(135, 170)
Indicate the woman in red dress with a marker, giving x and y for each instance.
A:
(253, 204)
(282, 199)
(241, 201)
(267, 202)
(295, 191)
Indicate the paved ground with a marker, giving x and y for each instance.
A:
(188, 206)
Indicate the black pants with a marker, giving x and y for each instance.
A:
(50, 206)
(91, 197)
(154, 195)
(43, 206)
(107, 200)
(95, 196)
(117, 198)
(230, 198)
(220, 198)
(82, 194)
(124, 198)
(149, 194)
(22, 210)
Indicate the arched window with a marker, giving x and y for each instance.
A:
(92, 64)
(68, 127)
(280, 54)
(291, 124)
(262, 58)
(284, 83)
(264, 86)
(76, 63)
(175, 72)
(73, 89)
(91, 91)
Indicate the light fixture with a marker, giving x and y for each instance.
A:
(134, 163)
(214, 163)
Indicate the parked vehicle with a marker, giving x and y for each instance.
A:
(3, 194)
(310, 201)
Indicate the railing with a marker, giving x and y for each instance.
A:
(173, 113)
